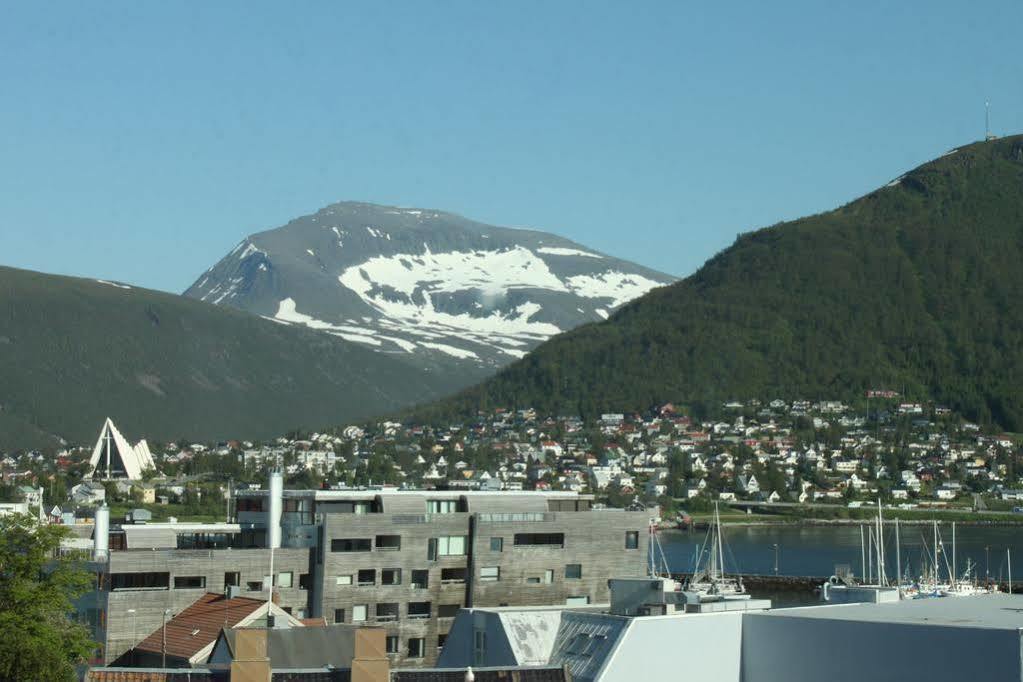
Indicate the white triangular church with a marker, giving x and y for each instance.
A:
(113, 457)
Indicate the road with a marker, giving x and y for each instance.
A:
(818, 505)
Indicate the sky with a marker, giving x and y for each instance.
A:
(140, 141)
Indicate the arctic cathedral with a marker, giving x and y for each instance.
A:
(113, 457)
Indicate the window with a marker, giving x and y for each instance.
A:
(285, 579)
(533, 580)
(343, 580)
(577, 601)
(189, 582)
(389, 542)
(368, 576)
(359, 613)
(419, 609)
(526, 539)
(254, 585)
(305, 581)
(351, 545)
(441, 640)
(393, 644)
(452, 575)
(496, 544)
(416, 647)
(490, 574)
(139, 581)
(339, 615)
(632, 539)
(548, 577)
(386, 612)
(232, 579)
(441, 506)
(573, 571)
(390, 576)
(448, 545)
(448, 610)
(248, 504)
(420, 579)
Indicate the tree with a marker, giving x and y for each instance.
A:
(41, 640)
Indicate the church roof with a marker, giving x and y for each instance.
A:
(114, 457)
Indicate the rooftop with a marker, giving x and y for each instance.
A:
(990, 611)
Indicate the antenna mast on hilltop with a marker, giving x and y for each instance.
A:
(987, 122)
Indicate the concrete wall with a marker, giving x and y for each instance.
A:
(150, 604)
(691, 647)
(596, 540)
(792, 649)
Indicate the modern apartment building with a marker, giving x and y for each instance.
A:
(405, 560)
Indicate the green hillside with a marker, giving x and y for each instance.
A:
(915, 287)
(73, 351)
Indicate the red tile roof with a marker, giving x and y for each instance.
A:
(199, 624)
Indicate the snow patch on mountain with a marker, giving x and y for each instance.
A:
(620, 287)
(559, 251)
(451, 350)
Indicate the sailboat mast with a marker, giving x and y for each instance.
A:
(881, 577)
(954, 577)
(721, 549)
(898, 559)
(870, 554)
(863, 554)
(935, 554)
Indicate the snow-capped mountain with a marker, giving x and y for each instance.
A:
(427, 283)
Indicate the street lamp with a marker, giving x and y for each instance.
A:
(163, 648)
(132, 612)
(775, 546)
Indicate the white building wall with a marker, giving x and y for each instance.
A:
(792, 649)
(692, 647)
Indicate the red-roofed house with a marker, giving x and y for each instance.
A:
(191, 634)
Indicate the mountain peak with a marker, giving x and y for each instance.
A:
(446, 290)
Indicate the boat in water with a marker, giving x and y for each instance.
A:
(709, 576)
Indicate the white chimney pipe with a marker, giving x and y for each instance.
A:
(101, 534)
(273, 521)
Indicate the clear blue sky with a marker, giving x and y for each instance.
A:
(140, 141)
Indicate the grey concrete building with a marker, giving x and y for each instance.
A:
(404, 560)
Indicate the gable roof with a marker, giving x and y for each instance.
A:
(196, 628)
(132, 460)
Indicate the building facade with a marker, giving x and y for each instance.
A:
(403, 560)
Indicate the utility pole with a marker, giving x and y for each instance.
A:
(1008, 558)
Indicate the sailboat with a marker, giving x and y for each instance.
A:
(709, 577)
(956, 585)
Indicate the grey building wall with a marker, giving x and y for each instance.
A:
(594, 540)
(149, 604)
(793, 649)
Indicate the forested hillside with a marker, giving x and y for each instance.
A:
(74, 351)
(915, 287)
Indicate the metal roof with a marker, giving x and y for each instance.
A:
(198, 625)
(586, 640)
(992, 611)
